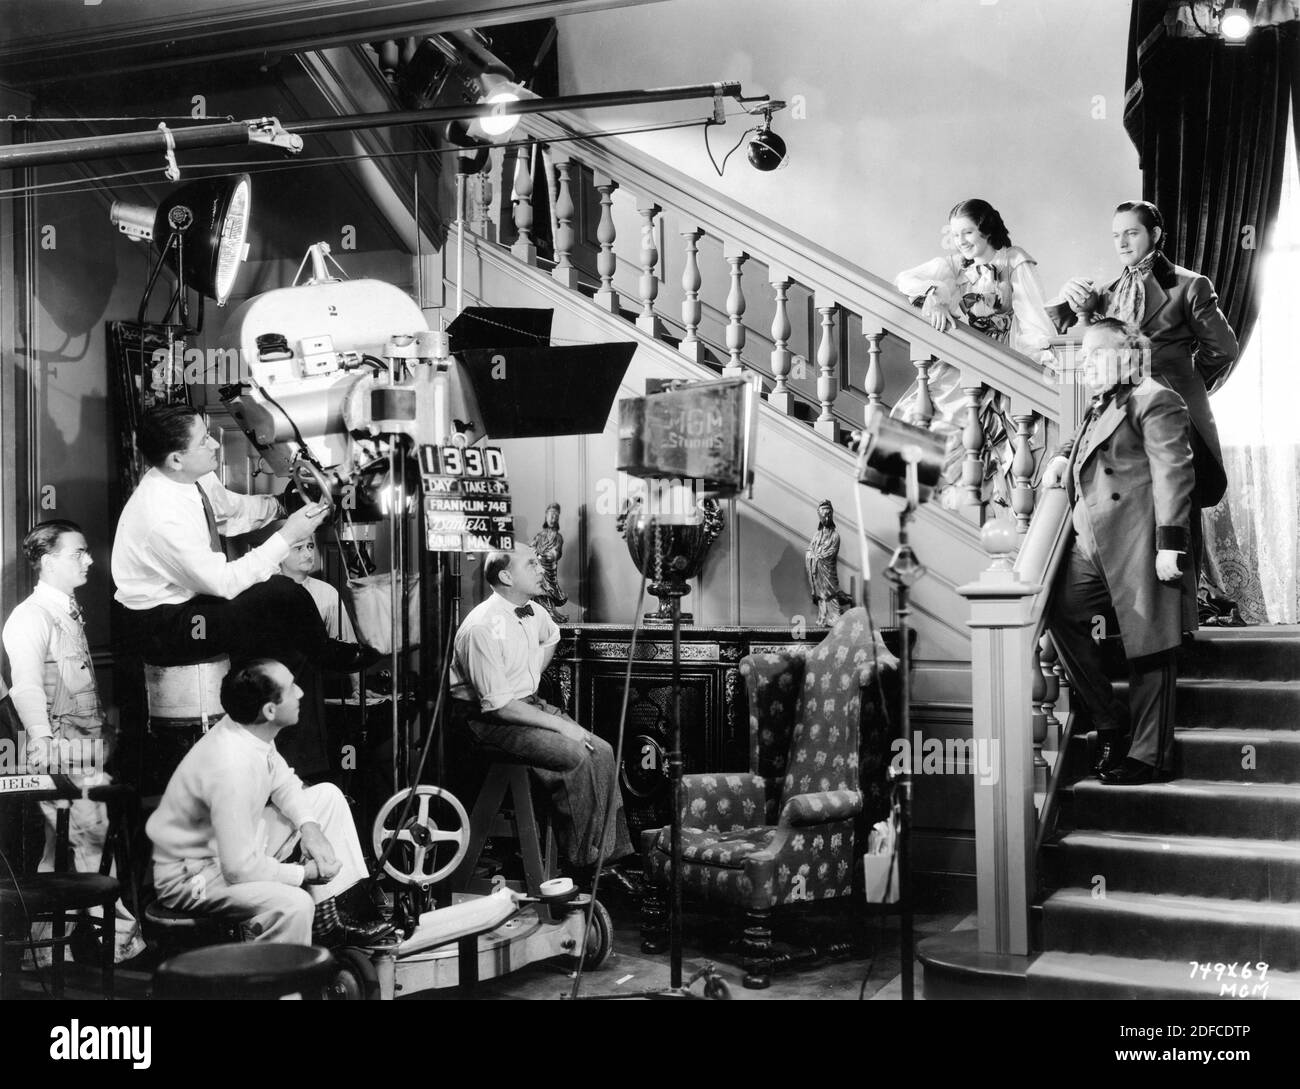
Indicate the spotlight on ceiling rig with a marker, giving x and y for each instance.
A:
(766, 149)
(199, 231)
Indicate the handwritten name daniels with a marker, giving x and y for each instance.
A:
(104, 1042)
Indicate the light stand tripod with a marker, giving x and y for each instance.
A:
(903, 571)
(671, 571)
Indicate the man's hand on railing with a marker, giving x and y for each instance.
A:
(1081, 294)
(1054, 474)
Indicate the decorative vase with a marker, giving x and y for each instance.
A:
(669, 553)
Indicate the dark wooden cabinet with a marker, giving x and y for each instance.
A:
(589, 670)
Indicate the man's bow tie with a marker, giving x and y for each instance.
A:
(523, 611)
(966, 262)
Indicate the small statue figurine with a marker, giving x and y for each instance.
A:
(549, 546)
(821, 562)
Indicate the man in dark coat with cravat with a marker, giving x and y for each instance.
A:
(1130, 477)
(1193, 348)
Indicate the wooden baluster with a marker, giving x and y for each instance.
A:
(606, 262)
(1038, 720)
(1048, 659)
(735, 257)
(388, 54)
(691, 346)
(827, 371)
(483, 226)
(1022, 472)
(972, 440)
(522, 200)
(923, 412)
(874, 383)
(781, 398)
(564, 271)
(649, 282)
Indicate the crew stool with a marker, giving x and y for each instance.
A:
(242, 970)
(493, 816)
(184, 702)
(50, 897)
(173, 931)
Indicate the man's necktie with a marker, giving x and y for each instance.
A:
(74, 610)
(214, 538)
(523, 611)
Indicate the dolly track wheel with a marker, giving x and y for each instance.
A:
(429, 846)
(355, 978)
(600, 939)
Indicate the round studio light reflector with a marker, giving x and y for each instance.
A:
(1235, 24)
(497, 123)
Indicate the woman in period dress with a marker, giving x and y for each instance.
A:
(991, 286)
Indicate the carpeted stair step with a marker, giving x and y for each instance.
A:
(1055, 975)
(1243, 756)
(1204, 752)
(1247, 654)
(1163, 927)
(1187, 807)
(1227, 654)
(1263, 870)
(1239, 705)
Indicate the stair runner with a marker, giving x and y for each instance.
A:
(1188, 889)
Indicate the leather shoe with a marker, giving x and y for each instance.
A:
(352, 931)
(1133, 773)
(1112, 747)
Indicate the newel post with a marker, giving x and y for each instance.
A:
(1003, 651)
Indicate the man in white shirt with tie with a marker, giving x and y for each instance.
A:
(182, 600)
(501, 649)
(57, 701)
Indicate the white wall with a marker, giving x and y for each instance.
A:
(911, 105)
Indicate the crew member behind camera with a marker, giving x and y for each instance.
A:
(233, 814)
(57, 701)
(1129, 474)
(182, 600)
(501, 650)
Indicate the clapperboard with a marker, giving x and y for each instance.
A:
(466, 499)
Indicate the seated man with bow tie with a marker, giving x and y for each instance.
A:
(1129, 474)
(501, 649)
(182, 600)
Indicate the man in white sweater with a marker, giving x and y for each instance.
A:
(233, 814)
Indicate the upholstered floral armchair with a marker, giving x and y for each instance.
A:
(783, 833)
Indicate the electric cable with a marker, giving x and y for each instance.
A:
(610, 802)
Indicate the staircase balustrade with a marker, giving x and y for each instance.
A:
(834, 394)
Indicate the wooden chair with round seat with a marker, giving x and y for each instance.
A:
(51, 897)
(251, 970)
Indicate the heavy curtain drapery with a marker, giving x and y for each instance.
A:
(1209, 122)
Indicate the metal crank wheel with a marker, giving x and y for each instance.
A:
(311, 484)
(428, 846)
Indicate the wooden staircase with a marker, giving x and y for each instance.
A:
(1159, 889)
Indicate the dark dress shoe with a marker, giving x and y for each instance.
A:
(1133, 773)
(1112, 747)
(352, 931)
